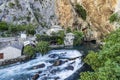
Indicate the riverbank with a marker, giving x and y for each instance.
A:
(12, 61)
(84, 48)
(57, 64)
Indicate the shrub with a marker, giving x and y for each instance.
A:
(68, 30)
(60, 41)
(78, 37)
(29, 51)
(30, 29)
(42, 47)
(81, 11)
(57, 38)
(3, 26)
(113, 18)
(42, 38)
(61, 34)
(11, 5)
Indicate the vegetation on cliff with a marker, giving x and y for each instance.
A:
(9, 29)
(81, 11)
(114, 17)
(105, 63)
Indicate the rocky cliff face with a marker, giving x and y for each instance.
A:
(40, 12)
(44, 13)
(98, 14)
(65, 13)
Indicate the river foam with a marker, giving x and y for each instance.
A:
(57, 64)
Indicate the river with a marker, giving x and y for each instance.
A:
(58, 64)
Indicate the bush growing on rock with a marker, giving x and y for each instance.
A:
(3, 26)
(81, 11)
(30, 29)
(16, 29)
(113, 18)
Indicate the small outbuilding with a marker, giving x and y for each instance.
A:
(11, 51)
(69, 39)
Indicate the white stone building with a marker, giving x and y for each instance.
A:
(69, 39)
(11, 51)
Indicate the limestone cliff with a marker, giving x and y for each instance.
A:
(40, 12)
(98, 13)
(44, 13)
(64, 12)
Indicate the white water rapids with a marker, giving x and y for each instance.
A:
(56, 65)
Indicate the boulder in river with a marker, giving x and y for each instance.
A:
(35, 77)
(54, 71)
(58, 62)
(69, 68)
(39, 66)
(53, 55)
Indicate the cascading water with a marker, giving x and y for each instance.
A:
(56, 65)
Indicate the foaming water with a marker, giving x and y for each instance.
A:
(57, 64)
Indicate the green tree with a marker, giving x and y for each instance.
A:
(78, 37)
(106, 62)
(38, 37)
(42, 47)
(94, 62)
(58, 37)
(3, 26)
(88, 76)
(30, 29)
(29, 51)
(60, 41)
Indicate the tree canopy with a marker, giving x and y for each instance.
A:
(42, 47)
(106, 62)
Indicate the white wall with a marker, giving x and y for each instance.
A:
(10, 53)
(69, 38)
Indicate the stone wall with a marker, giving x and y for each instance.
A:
(11, 61)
